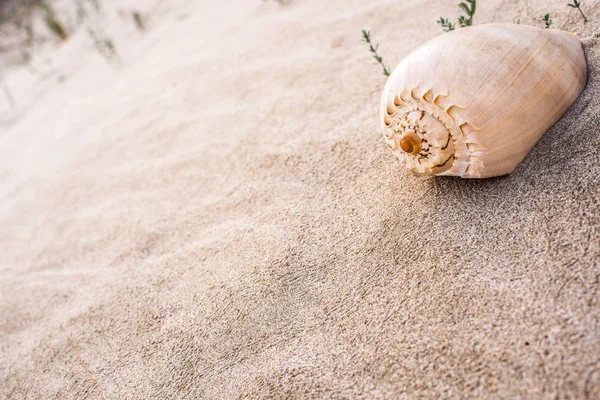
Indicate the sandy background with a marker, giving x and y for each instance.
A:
(217, 216)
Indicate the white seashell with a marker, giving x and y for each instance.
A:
(473, 102)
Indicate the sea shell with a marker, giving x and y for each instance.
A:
(473, 102)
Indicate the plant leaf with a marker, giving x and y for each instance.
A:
(473, 7)
(465, 8)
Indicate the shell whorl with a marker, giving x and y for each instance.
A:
(417, 118)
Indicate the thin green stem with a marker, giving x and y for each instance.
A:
(373, 50)
(582, 14)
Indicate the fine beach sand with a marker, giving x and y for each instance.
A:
(217, 216)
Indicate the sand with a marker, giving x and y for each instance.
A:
(217, 216)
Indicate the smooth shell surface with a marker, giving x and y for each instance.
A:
(473, 102)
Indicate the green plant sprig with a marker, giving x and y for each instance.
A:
(373, 50)
(52, 21)
(469, 7)
(547, 20)
(446, 24)
(137, 19)
(470, 11)
(577, 4)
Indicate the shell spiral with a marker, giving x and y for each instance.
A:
(474, 102)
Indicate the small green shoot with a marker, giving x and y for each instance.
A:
(547, 20)
(104, 45)
(446, 24)
(53, 23)
(577, 4)
(469, 9)
(56, 27)
(373, 50)
(110, 46)
(139, 22)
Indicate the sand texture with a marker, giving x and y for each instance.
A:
(218, 216)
